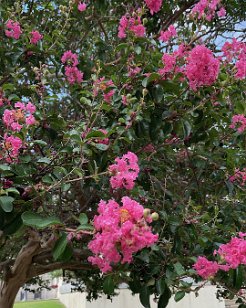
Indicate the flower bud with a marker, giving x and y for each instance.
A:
(145, 92)
(145, 21)
(155, 216)
(146, 212)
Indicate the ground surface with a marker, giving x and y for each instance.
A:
(39, 304)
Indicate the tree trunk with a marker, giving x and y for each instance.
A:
(32, 260)
(15, 275)
(8, 292)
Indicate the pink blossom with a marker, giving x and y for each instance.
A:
(207, 8)
(154, 5)
(202, 67)
(13, 29)
(30, 108)
(108, 96)
(124, 100)
(124, 171)
(133, 71)
(30, 120)
(20, 105)
(234, 252)
(131, 24)
(70, 58)
(15, 118)
(73, 74)
(205, 268)
(120, 232)
(36, 37)
(11, 147)
(7, 183)
(235, 51)
(149, 148)
(222, 12)
(169, 62)
(165, 36)
(82, 7)
(239, 123)
(103, 85)
(103, 140)
(123, 27)
(239, 176)
(242, 234)
(241, 67)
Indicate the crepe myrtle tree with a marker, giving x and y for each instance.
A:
(122, 150)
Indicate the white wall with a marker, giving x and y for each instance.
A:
(206, 299)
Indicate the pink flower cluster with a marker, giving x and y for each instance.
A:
(35, 37)
(22, 114)
(105, 86)
(121, 231)
(153, 5)
(207, 9)
(124, 171)
(231, 255)
(73, 74)
(132, 24)
(239, 176)
(13, 29)
(165, 36)
(202, 67)
(239, 122)
(69, 58)
(171, 61)
(236, 51)
(206, 268)
(9, 149)
(133, 70)
(82, 6)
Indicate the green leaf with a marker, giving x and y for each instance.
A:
(101, 147)
(179, 295)
(8, 86)
(147, 80)
(60, 246)
(179, 269)
(7, 203)
(161, 285)
(186, 129)
(83, 219)
(40, 142)
(47, 179)
(108, 285)
(95, 134)
(13, 226)
(138, 50)
(135, 285)
(65, 187)
(144, 297)
(5, 168)
(38, 221)
(238, 277)
(164, 299)
(12, 190)
(121, 46)
(157, 92)
(44, 160)
(85, 227)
